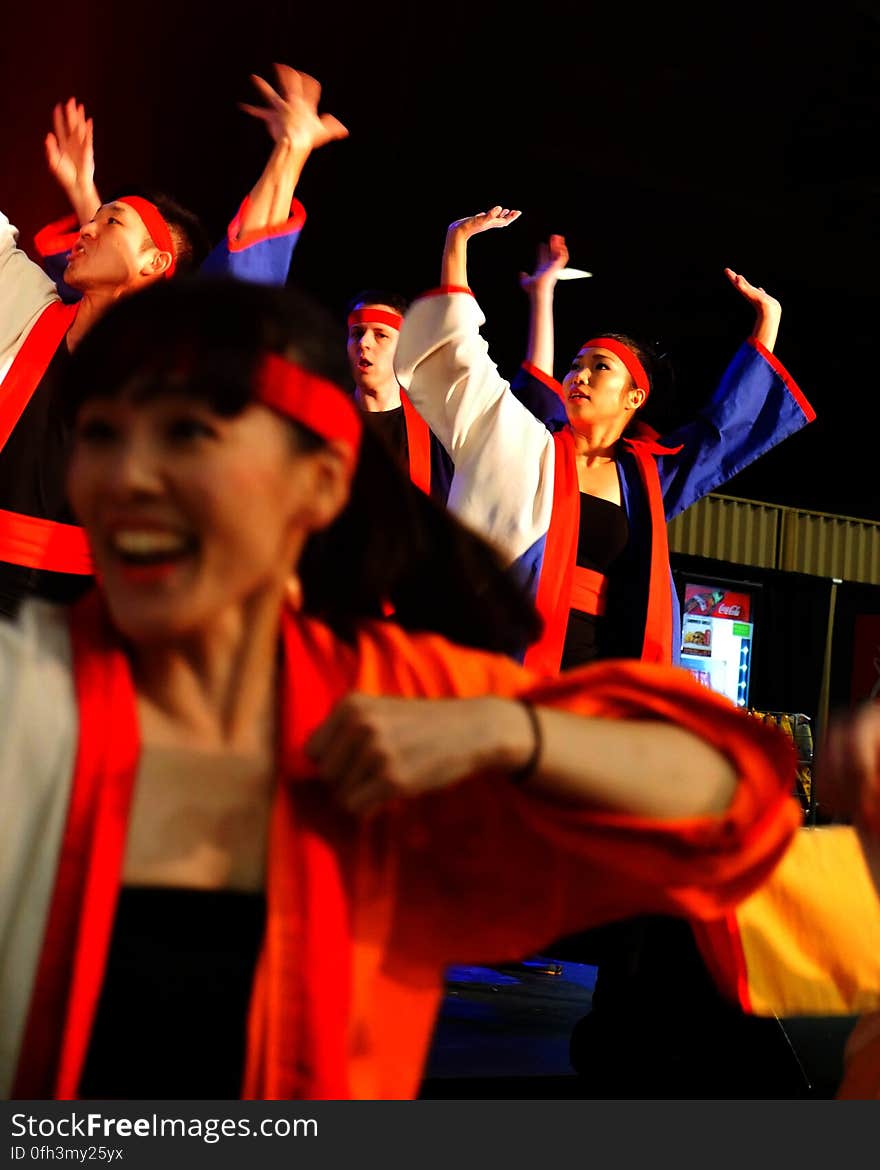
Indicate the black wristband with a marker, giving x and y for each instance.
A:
(528, 769)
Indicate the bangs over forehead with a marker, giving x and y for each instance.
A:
(203, 339)
(219, 377)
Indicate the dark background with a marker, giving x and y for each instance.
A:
(664, 142)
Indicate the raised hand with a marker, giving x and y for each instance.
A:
(552, 258)
(291, 111)
(495, 217)
(759, 297)
(768, 311)
(71, 156)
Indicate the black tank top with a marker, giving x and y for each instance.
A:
(603, 532)
(171, 1019)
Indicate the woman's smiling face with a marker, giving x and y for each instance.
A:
(187, 512)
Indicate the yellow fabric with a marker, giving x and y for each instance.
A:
(811, 934)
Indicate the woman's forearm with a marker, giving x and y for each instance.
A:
(541, 345)
(453, 267)
(766, 328)
(377, 747)
(641, 767)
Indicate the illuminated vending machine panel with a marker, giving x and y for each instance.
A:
(717, 627)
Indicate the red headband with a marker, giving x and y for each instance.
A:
(153, 221)
(626, 355)
(377, 316)
(313, 401)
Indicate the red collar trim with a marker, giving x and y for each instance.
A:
(418, 441)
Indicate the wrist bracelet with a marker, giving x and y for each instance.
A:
(521, 775)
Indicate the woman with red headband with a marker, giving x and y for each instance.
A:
(574, 490)
(576, 493)
(272, 821)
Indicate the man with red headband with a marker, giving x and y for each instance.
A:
(122, 246)
(374, 318)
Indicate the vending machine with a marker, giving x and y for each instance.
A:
(718, 620)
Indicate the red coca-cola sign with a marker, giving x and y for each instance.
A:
(709, 601)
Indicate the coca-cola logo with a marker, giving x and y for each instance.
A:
(730, 610)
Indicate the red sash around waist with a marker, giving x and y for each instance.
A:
(589, 591)
(28, 540)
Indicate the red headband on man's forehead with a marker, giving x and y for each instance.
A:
(636, 370)
(374, 317)
(154, 222)
(310, 400)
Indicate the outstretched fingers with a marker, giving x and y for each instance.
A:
(503, 216)
(256, 111)
(291, 115)
(274, 99)
(306, 86)
(754, 294)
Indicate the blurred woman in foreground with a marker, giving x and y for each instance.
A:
(246, 802)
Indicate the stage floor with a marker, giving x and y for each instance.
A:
(504, 1033)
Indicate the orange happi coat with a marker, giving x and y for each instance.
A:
(364, 914)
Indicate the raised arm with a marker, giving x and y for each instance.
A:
(768, 311)
(71, 157)
(453, 267)
(756, 405)
(292, 119)
(540, 287)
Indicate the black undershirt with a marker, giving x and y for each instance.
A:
(390, 425)
(33, 468)
(171, 1020)
(603, 532)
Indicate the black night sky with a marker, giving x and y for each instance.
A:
(665, 142)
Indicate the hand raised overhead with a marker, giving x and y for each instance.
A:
(495, 217)
(70, 149)
(291, 111)
(756, 296)
(552, 258)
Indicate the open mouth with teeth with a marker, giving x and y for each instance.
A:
(141, 548)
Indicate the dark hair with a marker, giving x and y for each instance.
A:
(391, 543)
(191, 242)
(661, 376)
(378, 296)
